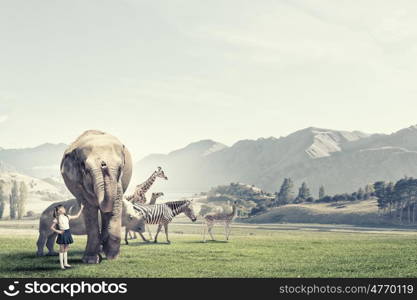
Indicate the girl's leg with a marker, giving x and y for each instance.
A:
(61, 256)
(66, 248)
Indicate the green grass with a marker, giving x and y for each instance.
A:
(251, 252)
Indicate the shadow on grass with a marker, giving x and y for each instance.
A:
(207, 242)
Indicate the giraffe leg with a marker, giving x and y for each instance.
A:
(157, 232)
(166, 233)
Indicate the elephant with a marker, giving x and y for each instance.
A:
(97, 169)
(131, 219)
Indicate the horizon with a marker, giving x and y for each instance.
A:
(216, 141)
(160, 75)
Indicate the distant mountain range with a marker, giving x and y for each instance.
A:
(342, 161)
(41, 161)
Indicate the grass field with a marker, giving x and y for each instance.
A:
(253, 251)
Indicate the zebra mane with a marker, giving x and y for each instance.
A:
(176, 204)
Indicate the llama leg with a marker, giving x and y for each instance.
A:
(204, 232)
(225, 231)
(157, 232)
(50, 243)
(228, 231)
(210, 227)
(166, 233)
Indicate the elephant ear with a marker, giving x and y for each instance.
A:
(127, 168)
(70, 167)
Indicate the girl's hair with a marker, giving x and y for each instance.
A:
(56, 210)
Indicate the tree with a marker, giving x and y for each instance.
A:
(369, 191)
(379, 188)
(286, 192)
(360, 195)
(322, 192)
(14, 197)
(3, 199)
(303, 193)
(23, 194)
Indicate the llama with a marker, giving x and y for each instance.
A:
(223, 218)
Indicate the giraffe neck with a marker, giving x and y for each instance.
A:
(148, 183)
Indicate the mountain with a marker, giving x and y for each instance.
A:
(340, 160)
(40, 192)
(41, 161)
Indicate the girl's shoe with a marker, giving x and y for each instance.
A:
(68, 266)
(63, 268)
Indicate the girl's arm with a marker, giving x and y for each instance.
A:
(78, 214)
(53, 227)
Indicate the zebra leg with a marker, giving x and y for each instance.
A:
(157, 232)
(143, 237)
(166, 233)
(50, 244)
(148, 228)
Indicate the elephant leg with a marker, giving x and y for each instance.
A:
(41, 243)
(50, 243)
(91, 253)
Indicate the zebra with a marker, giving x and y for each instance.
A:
(162, 214)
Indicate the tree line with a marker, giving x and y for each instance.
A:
(398, 200)
(16, 198)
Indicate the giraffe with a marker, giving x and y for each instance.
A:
(139, 195)
(223, 218)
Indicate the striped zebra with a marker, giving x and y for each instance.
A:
(162, 214)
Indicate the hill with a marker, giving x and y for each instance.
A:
(41, 161)
(40, 192)
(340, 160)
(350, 212)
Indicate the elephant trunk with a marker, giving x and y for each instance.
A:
(112, 223)
(98, 182)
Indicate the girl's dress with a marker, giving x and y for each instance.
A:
(63, 224)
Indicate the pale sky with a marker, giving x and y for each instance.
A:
(162, 74)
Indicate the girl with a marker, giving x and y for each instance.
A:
(64, 234)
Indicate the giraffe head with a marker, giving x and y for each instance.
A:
(189, 210)
(160, 173)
